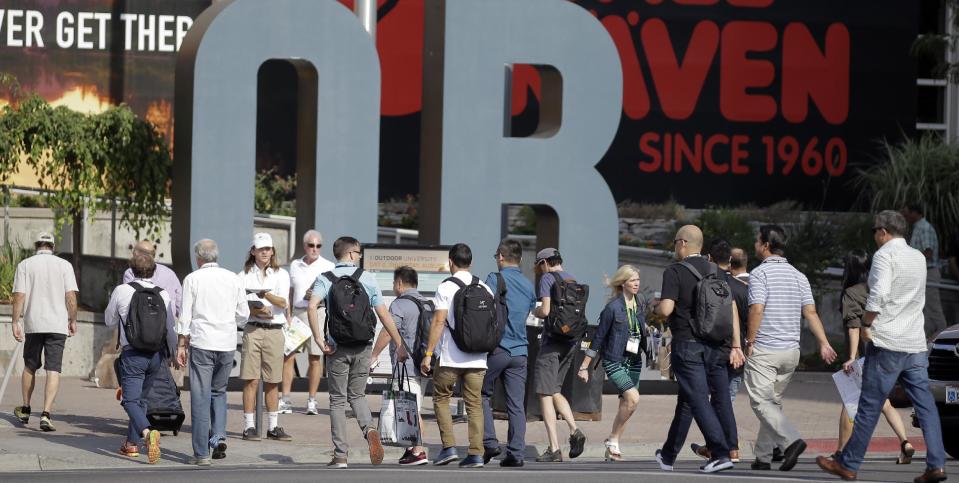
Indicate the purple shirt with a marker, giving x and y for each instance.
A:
(165, 279)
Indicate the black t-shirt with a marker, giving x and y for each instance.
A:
(954, 245)
(741, 297)
(678, 285)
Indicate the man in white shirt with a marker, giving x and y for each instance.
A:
(214, 304)
(303, 273)
(45, 294)
(268, 286)
(138, 365)
(455, 366)
(897, 287)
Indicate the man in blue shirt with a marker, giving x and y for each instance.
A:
(348, 364)
(508, 361)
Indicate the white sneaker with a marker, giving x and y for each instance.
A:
(285, 407)
(311, 408)
(716, 465)
(659, 459)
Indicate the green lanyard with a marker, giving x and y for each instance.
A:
(633, 318)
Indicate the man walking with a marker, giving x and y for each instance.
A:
(719, 253)
(303, 274)
(163, 277)
(737, 265)
(508, 362)
(407, 309)
(347, 347)
(925, 239)
(268, 286)
(214, 304)
(135, 305)
(897, 353)
(456, 366)
(45, 295)
(552, 364)
(779, 298)
(699, 365)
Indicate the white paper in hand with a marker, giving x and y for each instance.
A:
(850, 387)
(295, 334)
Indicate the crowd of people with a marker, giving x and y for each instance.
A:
(728, 328)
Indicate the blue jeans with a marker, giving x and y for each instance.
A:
(500, 364)
(700, 370)
(135, 368)
(879, 373)
(735, 379)
(209, 374)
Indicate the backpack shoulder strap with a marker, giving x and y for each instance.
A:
(557, 277)
(713, 269)
(330, 276)
(455, 280)
(356, 275)
(416, 301)
(136, 286)
(475, 280)
(691, 268)
(500, 284)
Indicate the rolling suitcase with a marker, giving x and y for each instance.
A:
(162, 396)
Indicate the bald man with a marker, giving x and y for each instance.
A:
(699, 365)
(164, 278)
(737, 264)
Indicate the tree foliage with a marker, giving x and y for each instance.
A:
(923, 171)
(86, 161)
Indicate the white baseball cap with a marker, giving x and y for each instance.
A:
(262, 240)
(45, 237)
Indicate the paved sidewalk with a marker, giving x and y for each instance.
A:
(91, 426)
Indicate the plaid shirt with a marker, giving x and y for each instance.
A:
(924, 237)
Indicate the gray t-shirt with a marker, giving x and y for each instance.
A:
(44, 279)
(406, 316)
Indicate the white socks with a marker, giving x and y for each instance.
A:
(273, 418)
(250, 419)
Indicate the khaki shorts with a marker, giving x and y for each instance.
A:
(262, 350)
(311, 347)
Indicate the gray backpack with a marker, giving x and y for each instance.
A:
(713, 307)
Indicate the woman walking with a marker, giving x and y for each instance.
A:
(620, 339)
(855, 291)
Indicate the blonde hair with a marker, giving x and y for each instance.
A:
(621, 276)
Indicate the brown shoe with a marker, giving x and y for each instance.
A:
(376, 447)
(830, 465)
(734, 455)
(931, 476)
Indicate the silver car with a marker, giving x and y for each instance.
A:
(944, 383)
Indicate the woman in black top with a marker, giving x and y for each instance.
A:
(855, 291)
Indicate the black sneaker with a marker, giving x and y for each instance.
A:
(511, 461)
(761, 466)
(219, 451)
(777, 454)
(250, 434)
(490, 453)
(550, 456)
(577, 442)
(791, 455)
(278, 434)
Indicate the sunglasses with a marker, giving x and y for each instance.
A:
(315, 245)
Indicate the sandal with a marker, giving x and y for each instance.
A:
(905, 455)
(612, 451)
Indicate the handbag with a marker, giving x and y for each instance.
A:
(399, 423)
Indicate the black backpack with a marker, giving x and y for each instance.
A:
(713, 306)
(422, 339)
(567, 308)
(145, 326)
(477, 326)
(349, 315)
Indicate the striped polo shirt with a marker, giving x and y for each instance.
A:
(783, 291)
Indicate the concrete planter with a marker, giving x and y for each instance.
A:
(80, 352)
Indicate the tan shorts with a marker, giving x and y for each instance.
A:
(262, 350)
(311, 347)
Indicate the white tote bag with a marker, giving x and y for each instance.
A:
(399, 423)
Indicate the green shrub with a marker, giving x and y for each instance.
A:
(727, 224)
(275, 194)
(11, 254)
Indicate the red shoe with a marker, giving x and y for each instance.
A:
(414, 459)
(130, 450)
